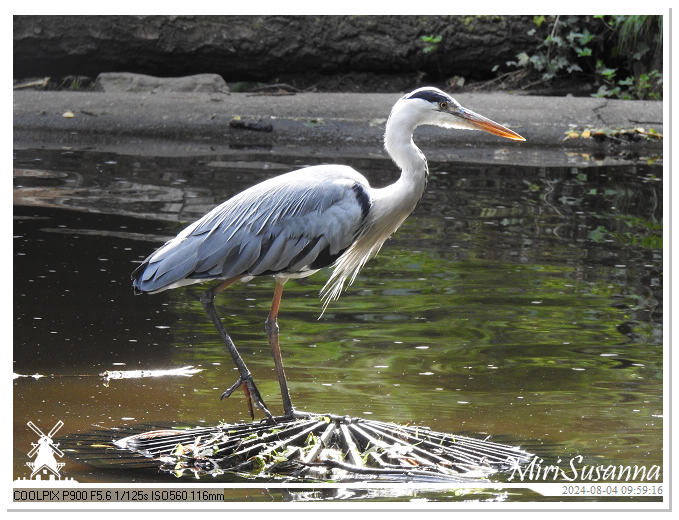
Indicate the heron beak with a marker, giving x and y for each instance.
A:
(485, 124)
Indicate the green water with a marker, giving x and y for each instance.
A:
(521, 303)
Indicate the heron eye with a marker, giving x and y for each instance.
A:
(443, 104)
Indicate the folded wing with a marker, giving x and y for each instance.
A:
(291, 224)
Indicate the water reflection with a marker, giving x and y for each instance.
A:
(522, 302)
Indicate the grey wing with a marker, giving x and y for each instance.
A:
(292, 223)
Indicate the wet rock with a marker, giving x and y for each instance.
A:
(131, 82)
(247, 124)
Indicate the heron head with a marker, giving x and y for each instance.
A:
(432, 106)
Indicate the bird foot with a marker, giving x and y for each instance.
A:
(293, 413)
(251, 394)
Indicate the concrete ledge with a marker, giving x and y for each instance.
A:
(197, 123)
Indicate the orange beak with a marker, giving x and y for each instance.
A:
(483, 123)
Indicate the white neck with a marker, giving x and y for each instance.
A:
(390, 205)
(404, 194)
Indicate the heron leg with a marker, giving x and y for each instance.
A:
(245, 377)
(271, 327)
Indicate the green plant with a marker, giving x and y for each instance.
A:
(647, 85)
(621, 55)
(560, 45)
(639, 36)
(431, 41)
(638, 49)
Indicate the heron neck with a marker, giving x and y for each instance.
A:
(398, 141)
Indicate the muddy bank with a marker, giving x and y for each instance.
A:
(197, 123)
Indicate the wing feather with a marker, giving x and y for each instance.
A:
(280, 225)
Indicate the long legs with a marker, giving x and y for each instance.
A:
(245, 377)
(271, 327)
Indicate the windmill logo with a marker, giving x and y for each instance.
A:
(44, 451)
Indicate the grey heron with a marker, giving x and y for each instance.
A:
(292, 225)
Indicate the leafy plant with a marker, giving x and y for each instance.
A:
(621, 54)
(559, 45)
(648, 85)
(431, 41)
(638, 49)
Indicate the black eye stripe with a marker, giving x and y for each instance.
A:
(430, 95)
